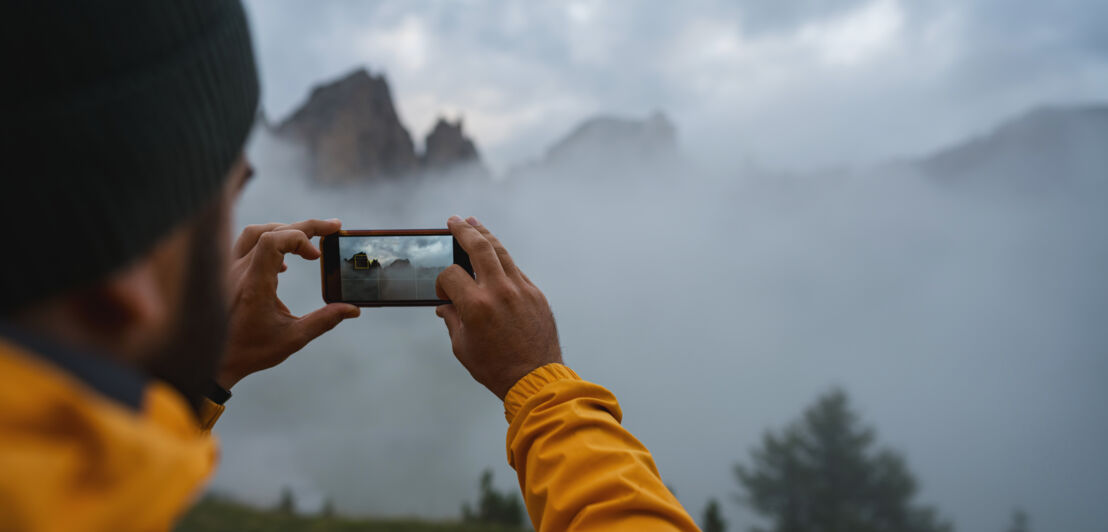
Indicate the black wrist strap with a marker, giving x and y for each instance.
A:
(217, 394)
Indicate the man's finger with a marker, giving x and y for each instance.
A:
(314, 228)
(481, 253)
(249, 238)
(250, 235)
(269, 254)
(317, 322)
(506, 261)
(449, 314)
(453, 283)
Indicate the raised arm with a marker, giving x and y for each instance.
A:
(578, 468)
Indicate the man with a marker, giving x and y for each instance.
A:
(128, 314)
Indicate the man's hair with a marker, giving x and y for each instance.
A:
(122, 120)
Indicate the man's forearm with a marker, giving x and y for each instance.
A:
(578, 468)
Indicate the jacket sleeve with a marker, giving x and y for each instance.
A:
(578, 468)
(209, 414)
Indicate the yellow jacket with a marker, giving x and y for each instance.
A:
(86, 445)
(579, 469)
(93, 446)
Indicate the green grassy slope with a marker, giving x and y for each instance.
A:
(217, 514)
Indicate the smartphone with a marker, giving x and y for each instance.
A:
(391, 268)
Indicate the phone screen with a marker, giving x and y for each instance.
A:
(376, 268)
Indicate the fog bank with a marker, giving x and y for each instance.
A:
(966, 322)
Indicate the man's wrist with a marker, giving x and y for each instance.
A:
(532, 383)
(226, 379)
(218, 394)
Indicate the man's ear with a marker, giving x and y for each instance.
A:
(133, 309)
(125, 312)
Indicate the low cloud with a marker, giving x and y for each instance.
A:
(960, 318)
(843, 82)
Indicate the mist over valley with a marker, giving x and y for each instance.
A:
(958, 296)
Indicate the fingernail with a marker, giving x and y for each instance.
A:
(473, 221)
(454, 218)
(334, 220)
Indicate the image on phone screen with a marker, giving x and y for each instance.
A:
(392, 268)
(388, 269)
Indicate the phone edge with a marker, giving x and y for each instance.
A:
(458, 251)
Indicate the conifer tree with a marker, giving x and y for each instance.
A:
(824, 473)
(287, 503)
(713, 521)
(493, 506)
(327, 511)
(1020, 521)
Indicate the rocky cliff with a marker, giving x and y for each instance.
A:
(447, 146)
(352, 132)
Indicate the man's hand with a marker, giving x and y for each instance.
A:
(500, 324)
(263, 333)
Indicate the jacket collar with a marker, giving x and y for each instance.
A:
(75, 456)
(97, 371)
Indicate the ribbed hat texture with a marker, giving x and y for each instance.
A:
(120, 120)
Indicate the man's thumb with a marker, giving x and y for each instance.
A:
(449, 314)
(324, 319)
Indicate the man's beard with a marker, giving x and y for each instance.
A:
(190, 357)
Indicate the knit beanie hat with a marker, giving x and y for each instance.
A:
(120, 119)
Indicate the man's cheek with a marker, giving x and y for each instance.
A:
(224, 239)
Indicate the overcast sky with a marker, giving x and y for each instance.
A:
(423, 251)
(965, 326)
(792, 85)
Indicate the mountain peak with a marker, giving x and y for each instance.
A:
(447, 146)
(353, 132)
(614, 140)
(1045, 143)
